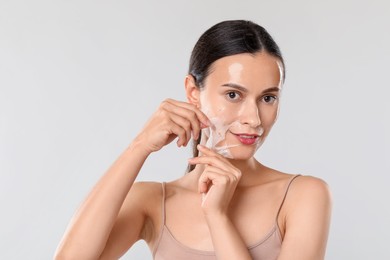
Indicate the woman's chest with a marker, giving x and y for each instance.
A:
(253, 215)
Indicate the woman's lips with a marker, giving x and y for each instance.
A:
(247, 139)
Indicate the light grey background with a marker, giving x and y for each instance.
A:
(78, 79)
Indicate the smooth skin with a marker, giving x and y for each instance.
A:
(222, 205)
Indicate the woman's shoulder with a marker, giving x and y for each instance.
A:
(304, 185)
(307, 199)
(147, 189)
(306, 193)
(301, 189)
(301, 182)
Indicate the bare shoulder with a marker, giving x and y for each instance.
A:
(302, 187)
(308, 197)
(147, 187)
(307, 188)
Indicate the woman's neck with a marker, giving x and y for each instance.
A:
(250, 169)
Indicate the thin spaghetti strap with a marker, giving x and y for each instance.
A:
(285, 195)
(163, 203)
(162, 219)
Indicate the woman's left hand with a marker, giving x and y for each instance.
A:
(218, 181)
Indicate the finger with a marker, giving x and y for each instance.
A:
(210, 160)
(209, 152)
(211, 155)
(215, 178)
(229, 174)
(188, 114)
(206, 179)
(179, 132)
(183, 123)
(200, 115)
(217, 161)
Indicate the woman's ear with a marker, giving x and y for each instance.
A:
(192, 91)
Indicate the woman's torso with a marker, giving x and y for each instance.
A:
(182, 232)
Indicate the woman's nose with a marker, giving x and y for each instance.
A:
(250, 115)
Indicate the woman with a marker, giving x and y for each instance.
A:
(228, 206)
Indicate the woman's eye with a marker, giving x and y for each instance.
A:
(269, 99)
(233, 95)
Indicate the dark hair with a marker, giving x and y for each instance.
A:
(225, 39)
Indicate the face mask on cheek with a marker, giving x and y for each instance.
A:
(222, 120)
(216, 137)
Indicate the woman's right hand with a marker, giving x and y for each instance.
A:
(172, 119)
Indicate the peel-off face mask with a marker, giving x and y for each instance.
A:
(226, 117)
(215, 134)
(220, 125)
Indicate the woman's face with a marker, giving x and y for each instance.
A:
(241, 99)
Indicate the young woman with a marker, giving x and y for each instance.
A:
(228, 205)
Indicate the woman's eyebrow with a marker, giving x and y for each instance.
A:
(243, 89)
(273, 89)
(236, 86)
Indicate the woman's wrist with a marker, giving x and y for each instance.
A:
(227, 242)
(216, 217)
(138, 146)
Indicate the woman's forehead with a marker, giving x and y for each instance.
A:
(247, 69)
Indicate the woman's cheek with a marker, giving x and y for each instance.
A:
(221, 109)
(268, 115)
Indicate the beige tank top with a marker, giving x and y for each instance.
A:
(168, 248)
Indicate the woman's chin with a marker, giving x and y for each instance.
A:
(238, 152)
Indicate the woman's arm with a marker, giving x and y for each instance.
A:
(307, 213)
(218, 183)
(90, 227)
(102, 227)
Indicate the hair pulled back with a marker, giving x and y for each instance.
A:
(225, 39)
(229, 38)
